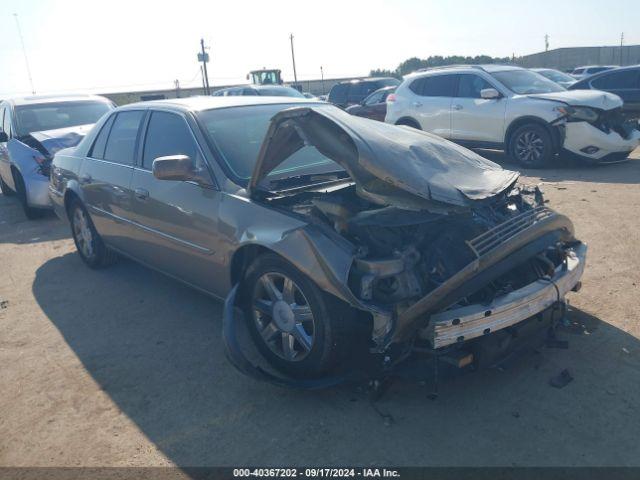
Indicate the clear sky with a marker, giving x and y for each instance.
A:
(90, 45)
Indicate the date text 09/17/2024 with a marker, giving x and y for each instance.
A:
(316, 472)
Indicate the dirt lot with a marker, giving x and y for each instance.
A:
(126, 367)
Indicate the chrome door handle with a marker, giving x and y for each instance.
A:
(417, 104)
(457, 107)
(84, 179)
(141, 193)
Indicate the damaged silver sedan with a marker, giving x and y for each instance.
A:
(327, 230)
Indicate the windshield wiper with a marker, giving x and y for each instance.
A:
(308, 179)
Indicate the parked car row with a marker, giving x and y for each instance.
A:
(326, 229)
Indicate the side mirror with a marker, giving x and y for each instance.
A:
(3, 137)
(489, 93)
(174, 167)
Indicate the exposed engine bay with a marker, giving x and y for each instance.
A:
(404, 255)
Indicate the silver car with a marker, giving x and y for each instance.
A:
(32, 130)
(323, 228)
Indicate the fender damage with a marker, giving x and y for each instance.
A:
(423, 235)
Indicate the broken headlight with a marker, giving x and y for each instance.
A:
(578, 114)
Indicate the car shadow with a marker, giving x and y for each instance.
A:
(154, 346)
(15, 227)
(566, 169)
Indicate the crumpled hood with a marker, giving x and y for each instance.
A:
(55, 140)
(583, 98)
(390, 165)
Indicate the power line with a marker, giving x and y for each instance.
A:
(24, 52)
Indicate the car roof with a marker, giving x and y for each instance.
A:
(489, 68)
(206, 103)
(371, 79)
(595, 66)
(591, 78)
(40, 99)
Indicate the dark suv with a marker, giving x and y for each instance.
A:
(624, 82)
(353, 92)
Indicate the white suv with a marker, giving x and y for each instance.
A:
(516, 110)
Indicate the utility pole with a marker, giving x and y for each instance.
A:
(546, 43)
(24, 52)
(621, 43)
(204, 85)
(293, 58)
(176, 82)
(322, 77)
(204, 58)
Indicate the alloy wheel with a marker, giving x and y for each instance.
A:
(529, 147)
(283, 317)
(82, 233)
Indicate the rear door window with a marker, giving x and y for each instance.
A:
(375, 98)
(121, 143)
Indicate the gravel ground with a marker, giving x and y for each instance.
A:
(126, 367)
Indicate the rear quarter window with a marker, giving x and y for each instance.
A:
(435, 86)
(97, 150)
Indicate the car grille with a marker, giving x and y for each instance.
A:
(494, 237)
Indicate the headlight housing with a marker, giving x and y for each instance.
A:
(578, 114)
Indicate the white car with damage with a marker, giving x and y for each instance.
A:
(515, 110)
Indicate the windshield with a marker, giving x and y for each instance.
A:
(238, 132)
(524, 82)
(557, 76)
(279, 92)
(51, 116)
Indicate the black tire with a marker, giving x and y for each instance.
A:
(89, 244)
(409, 123)
(21, 192)
(531, 146)
(329, 333)
(6, 189)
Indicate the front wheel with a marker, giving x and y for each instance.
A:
(296, 326)
(531, 146)
(90, 246)
(21, 192)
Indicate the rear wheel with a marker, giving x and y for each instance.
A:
(409, 123)
(296, 326)
(531, 146)
(21, 192)
(90, 246)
